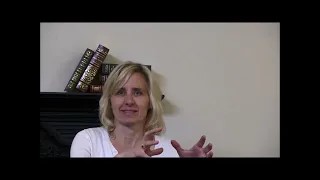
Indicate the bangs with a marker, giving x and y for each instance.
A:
(124, 75)
(120, 82)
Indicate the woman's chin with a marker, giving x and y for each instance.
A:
(130, 121)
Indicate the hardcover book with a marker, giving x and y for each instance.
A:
(92, 69)
(78, 72)
(108, 67)
(95, 88)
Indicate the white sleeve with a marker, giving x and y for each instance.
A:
(81, 145)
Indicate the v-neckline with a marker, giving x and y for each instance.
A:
(114, 151)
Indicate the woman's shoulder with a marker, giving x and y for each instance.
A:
(93, 131)
(86, 142)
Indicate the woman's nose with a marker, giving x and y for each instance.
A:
(129, 100)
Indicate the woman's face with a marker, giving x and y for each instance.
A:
(131, 102)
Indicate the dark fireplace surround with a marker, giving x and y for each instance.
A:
(62, 115)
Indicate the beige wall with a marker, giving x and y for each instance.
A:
(220, 79)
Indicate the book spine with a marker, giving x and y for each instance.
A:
(95, 88)
(92, 69)
(107, 68)
(103, 78)
(78, 72)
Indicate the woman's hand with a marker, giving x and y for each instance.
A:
(146, 149)
(136, 152)
(149, 141)
(196, 151)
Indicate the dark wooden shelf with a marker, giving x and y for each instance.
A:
(62, 115)
(57, 101)
(68, 94)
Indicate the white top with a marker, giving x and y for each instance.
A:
(95, 142)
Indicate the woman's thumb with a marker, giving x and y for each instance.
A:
(176, 145)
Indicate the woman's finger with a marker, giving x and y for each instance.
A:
(153, 131)
(207, 148)
(177, 146)
(148, 144)
(210, 154)
(140, 153)
(154, 152)
(200, 143)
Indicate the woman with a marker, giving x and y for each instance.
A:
(131, 116)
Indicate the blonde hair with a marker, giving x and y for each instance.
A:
(117, 78)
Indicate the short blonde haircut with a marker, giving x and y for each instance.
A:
(117, 78)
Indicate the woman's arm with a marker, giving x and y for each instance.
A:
(81, 145)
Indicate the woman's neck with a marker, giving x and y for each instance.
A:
(127, 137)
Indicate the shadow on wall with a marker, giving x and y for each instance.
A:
(158, 80)
(169, 108)
(111, 59)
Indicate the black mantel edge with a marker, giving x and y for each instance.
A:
(60, 101)
(68, 94)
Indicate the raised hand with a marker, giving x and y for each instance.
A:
(147, 147)
(149, 141)
(135, 152)
(197, 150)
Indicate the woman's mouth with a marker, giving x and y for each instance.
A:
(129, 112)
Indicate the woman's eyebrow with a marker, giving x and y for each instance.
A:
(137, 89)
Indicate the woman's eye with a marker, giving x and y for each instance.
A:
(137, 93)
(120, 92)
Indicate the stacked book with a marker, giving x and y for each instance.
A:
(91, 73)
